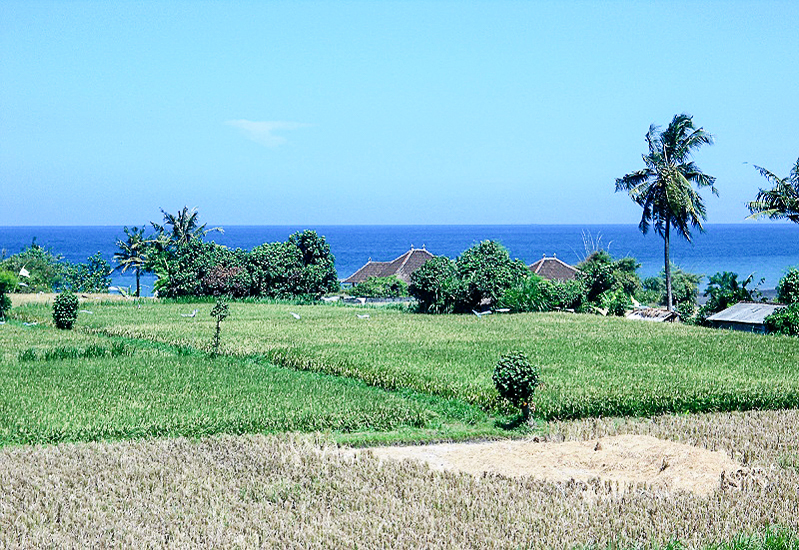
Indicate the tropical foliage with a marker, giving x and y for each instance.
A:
(435, 285)
(684, 287)
(784, 320)
(301, 266)
(782, 200)
(180, 228)
(725, 290)
(477, 278)
(605, 277)
(538, 294)
(40, 269)
(93, 276)
(132, 253)
(664, 188)
(380, 287)
(788, 287)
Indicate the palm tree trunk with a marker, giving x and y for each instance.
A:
(669, 305)
(138, 286)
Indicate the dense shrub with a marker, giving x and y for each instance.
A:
(434, 285)
(8, 282)
(46, 269)
(516, 379)
(181, 270)
(600, 273)
(684, 288)
(318, 265)
(65, 310)
(302, 266)
(93, 276)
(538, 294)
(380, 287)
(784, 320)
(725, 290)
(227, 280)
(479, 277)
(615, 301)
(486, 272)
(788, 287)
(271, 266)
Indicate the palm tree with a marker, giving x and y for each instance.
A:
(132, 253)
(781, 201)
(183, 226)
(664, 188)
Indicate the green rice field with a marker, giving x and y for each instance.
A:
(590, 365)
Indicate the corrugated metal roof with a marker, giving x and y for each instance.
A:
(746, 312)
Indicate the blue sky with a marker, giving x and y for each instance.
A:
(381, 112)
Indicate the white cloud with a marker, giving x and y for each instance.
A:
(263, 132)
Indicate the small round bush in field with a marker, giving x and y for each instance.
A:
(516, 380)
(65, 310)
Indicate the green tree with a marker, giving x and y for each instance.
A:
(93, 276)
(601, 274)
(664, 189)
(684, 285)
(182, 227)
(725, 290)
(434, 285)
(486, 271)
(781, 201)
(132, 253)
(40, 270)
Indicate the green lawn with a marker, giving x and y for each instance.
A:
(591, 366)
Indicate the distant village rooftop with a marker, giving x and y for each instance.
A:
(402, 267)
(554, 269)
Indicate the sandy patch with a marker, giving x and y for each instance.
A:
(625, 459)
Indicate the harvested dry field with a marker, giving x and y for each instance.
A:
(292, 491)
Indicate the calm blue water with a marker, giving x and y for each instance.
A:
(765, 249)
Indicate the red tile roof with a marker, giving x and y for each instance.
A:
(555, 269)
(402, 267)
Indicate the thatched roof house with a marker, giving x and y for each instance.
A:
(401, 267)
(554, 269)
(746, 316)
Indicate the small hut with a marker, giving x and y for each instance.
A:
(745, 316)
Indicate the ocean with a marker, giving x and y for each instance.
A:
(765, 249)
